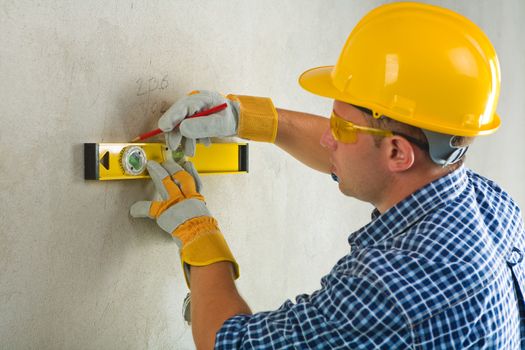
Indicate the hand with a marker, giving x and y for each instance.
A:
(249, 117)
(220, 124)
(182, 213)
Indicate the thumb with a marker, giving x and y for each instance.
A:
(140, 210)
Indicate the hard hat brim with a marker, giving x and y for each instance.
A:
(319, 82)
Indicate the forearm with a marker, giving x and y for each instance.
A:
(214, 299)
(299, 134)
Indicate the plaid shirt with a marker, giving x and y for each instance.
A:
(442, 269)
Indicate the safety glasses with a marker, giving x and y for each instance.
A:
(346, 132)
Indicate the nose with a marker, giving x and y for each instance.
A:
(327, 140)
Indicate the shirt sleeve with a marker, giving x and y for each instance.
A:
(347, 312)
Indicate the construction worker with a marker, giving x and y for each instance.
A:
(440, 265)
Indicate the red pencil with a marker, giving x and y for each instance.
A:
(196, 115)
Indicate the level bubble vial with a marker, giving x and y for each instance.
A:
(134, 160)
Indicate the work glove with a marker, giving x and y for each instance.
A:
(248, 117)
(182, 213)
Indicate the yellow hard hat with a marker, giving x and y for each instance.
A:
(419, 64)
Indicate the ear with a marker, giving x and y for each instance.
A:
(400, 155)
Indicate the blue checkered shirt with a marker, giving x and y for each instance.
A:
(443, 269)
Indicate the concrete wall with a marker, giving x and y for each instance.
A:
(75, 271)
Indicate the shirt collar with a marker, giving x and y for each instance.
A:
(404, 214)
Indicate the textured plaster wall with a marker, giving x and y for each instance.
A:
(75, 271)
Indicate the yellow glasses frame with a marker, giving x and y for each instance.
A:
(346, 131)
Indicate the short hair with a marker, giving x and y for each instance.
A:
(384, 122)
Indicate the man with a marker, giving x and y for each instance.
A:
(441, 263)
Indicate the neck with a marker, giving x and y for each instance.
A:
(402, 185)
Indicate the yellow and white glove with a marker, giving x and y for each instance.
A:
(182, 213)
(248, 117)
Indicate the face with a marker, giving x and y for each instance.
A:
(357, 165)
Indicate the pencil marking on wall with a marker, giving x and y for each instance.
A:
(147, 86)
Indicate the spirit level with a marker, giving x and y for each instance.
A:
(126, 161)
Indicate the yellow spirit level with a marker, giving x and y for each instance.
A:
(125, 161)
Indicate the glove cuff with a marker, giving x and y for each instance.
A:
(208, 245)
(258, 118)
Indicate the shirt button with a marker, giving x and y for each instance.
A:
(515, 257)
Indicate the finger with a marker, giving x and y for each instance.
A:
(173, 139)
(190, 168)
(186, 183)
(185, 176)
(182, 180)
(178, 111)
(206, 141)
(189, 147)
(173, 116)
(158, 174)
(172, 167)
(140, 209)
